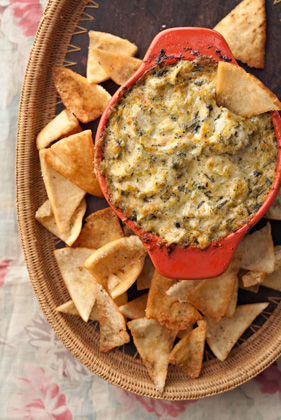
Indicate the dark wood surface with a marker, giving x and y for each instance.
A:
(139, 21)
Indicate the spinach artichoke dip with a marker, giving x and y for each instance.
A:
(178, 165)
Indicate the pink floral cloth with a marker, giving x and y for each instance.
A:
(39, 378)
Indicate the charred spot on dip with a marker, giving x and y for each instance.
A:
(178, 165)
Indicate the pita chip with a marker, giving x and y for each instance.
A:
(105, 42)
(86, 101)
(154, 343)
(118, 67)
(181, 289)
(63, 125)
(244, 29)
(100, 228)
(233, 301)
(145, 277)
(188, 353)
(80, 284)
(135, 308)
(242, 93)
(64, 196)
(274, 211)
(45, 216)
(73, 158)
(70, 308)
(273, 280)
(222, 336)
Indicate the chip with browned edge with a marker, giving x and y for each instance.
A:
(189, 351)
(79, 282)
(46, 217)
(73, 157)
(113, 332)
(117, 264)
(181, 289)
(212, 296)
(222, 336)
(274, 211)
(118, 67)
(145, 277)
(64, 124)
(135, 308)
(86, 101)
(244, 29)
(64, 196)
(230, 311)
(154, 343)
(100, 228)
(167, 310)
(242, 93)
(105, 42)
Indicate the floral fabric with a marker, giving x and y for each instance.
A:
(39, 378)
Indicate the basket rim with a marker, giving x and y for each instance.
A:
(270, 350)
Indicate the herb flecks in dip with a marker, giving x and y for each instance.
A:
(180, 166)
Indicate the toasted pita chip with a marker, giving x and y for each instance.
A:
(233, 301)
(274, 211)
(188, 353)
(145, 277)
(46, 217)
(212, 296)
(113, 332)
(118, 67)
(242, 93)
(73, 157)
(100, 228)
(273, 280)
(251, 278)
(222, 336)
(64, 196)
(181, 333)
(252, 289)
(277, 254)
(258, 251)
(244, 29)
(117, 264)
(86, 101)
(166, 309)
(181, 289)
(105, 42)
(70, 308)
(79, 282)
(154, 343)
(135, 308)
(276, 1)
(64, 124)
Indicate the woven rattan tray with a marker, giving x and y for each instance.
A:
(62, 40)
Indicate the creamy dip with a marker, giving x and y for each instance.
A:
(180, 166)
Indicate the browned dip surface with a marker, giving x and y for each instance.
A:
(180, 166)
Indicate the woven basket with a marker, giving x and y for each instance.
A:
(38, 105)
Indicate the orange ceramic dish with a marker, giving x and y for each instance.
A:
(175, 262)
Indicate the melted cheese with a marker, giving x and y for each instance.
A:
(180, 166)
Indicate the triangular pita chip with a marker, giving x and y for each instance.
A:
(244, 29)
(100, 228)
(273, 280)
(233, 301)
(222, 336)
(86, 101)
(135, 308)
(105, 42)
(118, 67)
(166, 309)
(46, 217)
(145, 277)
(113, 332)
(212, 296)
(251, 278)
(80, 284)
(64, 196)
(242, 93)
(64, 124)
(154, 343)
(73, 157)
(70, 308)
(181, 289)
(277, 254)
(274, 211)
(252, 289)
(258, 251)
(188, 353)
(117, 264)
